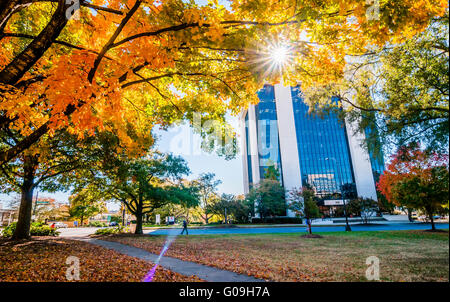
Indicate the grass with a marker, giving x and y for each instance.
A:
(44, 260)
(339, 256)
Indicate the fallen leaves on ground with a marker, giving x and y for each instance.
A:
(44, 259)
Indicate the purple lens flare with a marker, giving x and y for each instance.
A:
(149, 276)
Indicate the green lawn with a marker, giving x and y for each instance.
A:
(339, 256)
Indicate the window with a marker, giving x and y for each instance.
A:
(324, 154)
(249, 156)
(267, 128)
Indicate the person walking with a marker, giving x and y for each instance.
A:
(184, 228)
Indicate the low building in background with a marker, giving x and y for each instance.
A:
(7, 216)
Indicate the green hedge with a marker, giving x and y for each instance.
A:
(97, 224)
(108, 231)
(277, 220)
(37, 229)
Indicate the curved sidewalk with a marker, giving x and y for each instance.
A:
(176, 265)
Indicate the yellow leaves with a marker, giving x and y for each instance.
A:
(216, 34)
(193, 15)
(202, 67)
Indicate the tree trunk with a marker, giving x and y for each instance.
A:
(139, 216)
(26, 202)
(409, 215)
(139, 223)
(81, 220)
(6, 9)
(430, 215)
(309, 226)
(35, 50)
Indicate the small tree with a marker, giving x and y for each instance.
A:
(272, 172)
(417, 179)
(144, 184)
(224, 207)
(87, 203)
(302, 202)
(366, 208)
(232, 207)
(268, 197)
(207, 187)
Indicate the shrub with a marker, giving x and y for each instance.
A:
(44, 230)
(97, 224)
(117, 219)
(37, 229)
(109, 231)
(9, 230)
(277, 220)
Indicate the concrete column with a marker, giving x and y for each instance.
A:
(244, 151)
(362, 168)
(288, 140)
(253, 134)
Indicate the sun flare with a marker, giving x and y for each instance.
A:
(273, 58)
(279, 54)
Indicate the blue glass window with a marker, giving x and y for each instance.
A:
(376, 161)
(324, 154)
(268, 140)
(249, 156)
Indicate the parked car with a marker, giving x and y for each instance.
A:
(113, 223)
(60, 225)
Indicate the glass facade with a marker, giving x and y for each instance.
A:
(249, 156)
(324, 155)
(322, 143)
(267, 131)
(376, 161)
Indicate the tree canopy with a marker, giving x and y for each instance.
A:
(86, 203)
(126, 66)
(268, 198)
(144, 184)
(398, 93)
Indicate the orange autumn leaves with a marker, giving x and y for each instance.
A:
(44, 260)
(409, 162)
(172, 58)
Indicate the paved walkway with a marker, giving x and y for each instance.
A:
(176, 265)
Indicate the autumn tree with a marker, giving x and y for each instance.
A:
(304, 204)
(44, 165)
(417, 179)
(153, 63)
(207, 185)
(86, 203)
